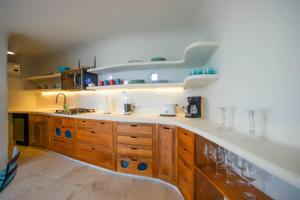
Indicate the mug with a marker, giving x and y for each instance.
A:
(118, 81)
(106, 82)
(101, 82)
(112, 82)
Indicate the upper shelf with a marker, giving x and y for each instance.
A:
(44, 78)
(199, 80)
(195, 54)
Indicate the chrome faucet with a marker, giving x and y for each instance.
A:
(65, 100)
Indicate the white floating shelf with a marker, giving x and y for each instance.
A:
(199, 80)
(44, 90)
(138, 86)
(195, 54)
(44, 78)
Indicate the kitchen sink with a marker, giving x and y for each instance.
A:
(74, 111)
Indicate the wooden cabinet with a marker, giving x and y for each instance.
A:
(166, 153)
(185, 164)
(135, 151)
(95, 142)
(38, 134)
(62, 135)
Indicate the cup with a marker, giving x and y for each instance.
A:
(118, 81)
(101, 83)
(112, 82)
(106, 82)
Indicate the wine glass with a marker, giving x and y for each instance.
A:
(228, 167)
(219, 160)
(249, 173)
(251, 114)
(223, 118)
(240, 164)
(207, 154)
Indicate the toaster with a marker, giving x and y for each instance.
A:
(168, 110)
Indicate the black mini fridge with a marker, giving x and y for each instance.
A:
(21, 129)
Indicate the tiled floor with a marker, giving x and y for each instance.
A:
(45, 175)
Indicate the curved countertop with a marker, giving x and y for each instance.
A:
(279, 160)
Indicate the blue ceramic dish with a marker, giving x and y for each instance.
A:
(61, 69)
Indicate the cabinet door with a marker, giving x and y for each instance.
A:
(166, 153)
(40, 134)
(32, 133)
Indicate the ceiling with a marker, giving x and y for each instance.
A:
(41, 26)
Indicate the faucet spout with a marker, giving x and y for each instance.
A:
(65, 99)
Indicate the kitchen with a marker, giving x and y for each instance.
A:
(201, 104)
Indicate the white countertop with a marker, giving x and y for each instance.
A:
(279, 160)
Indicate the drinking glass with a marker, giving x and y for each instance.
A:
(251, 114)
(228, 166)
(249, 173)
(219, 160)
(240, 164)
(207, 154)
(223, 118)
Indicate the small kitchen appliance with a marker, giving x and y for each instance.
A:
(168, 110)
(128, 108)
(195, 107)
(77, 79)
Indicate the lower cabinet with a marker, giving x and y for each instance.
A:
(135, 165)
(95, 142)
(38, 134)
(94, 154)
(166, 153)
(62, 136)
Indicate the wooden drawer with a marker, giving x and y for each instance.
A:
(95, 154)
(185, 154)
(68, 122)
(185, 170)
(185, 187)
(134, 129)
(37, 118)
(135, 165)
(134, 140)
(134, 151)
(56, 121)
(63, 147)
(187, 138)
(84, 124)
(103, 127)
(95, 137)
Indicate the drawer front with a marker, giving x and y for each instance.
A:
(37, 118)
(134, 129)
(68, 122)
(62, 147)
(84, 124)
(57, 121)
(95, 137)
(185, 187)
(186, 138)
(185, 154)
(134, 140)
(134, 151)
(185, 170)
(103, 127)
(95, 154)
(135, 165)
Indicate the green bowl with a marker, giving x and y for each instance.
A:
(137, 81)
(158, 59)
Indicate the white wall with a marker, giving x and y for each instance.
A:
(258, 62)
(3, 100)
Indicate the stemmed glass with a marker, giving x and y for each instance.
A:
(207, 154)
(240, 164)
(249, 173)
(219, 159)
(251, 114)
(228, 166)
(223, 118)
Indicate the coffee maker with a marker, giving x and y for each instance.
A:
(193, 109)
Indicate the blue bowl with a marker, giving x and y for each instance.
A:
(61, 69)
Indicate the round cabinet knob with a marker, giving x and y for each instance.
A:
(68, 134)
(57, 132)
(124, 163)
(142, 166)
